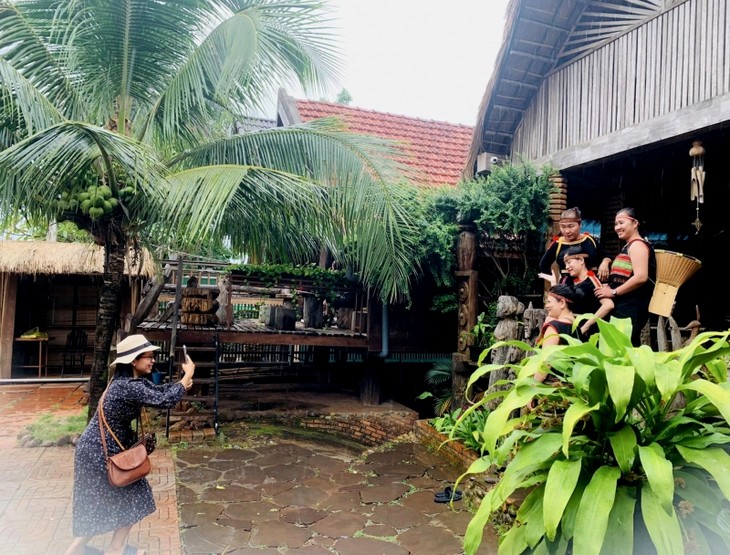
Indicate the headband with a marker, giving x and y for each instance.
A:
(560, 297)
(578, 255)
(577, 220)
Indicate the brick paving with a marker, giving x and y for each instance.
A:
(36, 483)
(267, 497)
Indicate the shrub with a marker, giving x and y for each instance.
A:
(624, 453)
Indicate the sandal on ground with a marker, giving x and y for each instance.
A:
(446, 495)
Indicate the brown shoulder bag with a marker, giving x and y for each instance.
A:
(129, 466)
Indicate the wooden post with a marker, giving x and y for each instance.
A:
(558, 203)
(8, 296)
(313, 313)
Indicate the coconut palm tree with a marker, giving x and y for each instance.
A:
(105, 120)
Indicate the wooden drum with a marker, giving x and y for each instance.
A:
(672, 270)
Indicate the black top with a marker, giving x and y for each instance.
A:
(557, 248)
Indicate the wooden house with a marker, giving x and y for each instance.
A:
(54, 287)
(614, 94)
(433, 154)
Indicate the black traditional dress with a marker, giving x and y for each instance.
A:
(99, 507)
(634, 304)
(556, 251)
(586, 302)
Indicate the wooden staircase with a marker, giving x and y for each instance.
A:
(196, 415)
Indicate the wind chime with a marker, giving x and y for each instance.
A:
(697, 188)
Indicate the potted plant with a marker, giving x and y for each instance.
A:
(624, 453)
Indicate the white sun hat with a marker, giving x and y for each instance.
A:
(131, 347)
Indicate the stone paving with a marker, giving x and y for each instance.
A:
(294, 498)
(269, 497)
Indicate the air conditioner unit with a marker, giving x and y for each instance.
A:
(485, 162)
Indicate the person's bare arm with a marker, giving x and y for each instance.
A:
(552, 337)
(603, 311)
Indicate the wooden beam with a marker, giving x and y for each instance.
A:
(680, 122)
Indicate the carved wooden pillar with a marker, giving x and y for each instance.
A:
(467, 283)
(467, 286)
(558, 202)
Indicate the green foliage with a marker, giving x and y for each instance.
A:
(623, 448)
(438, 378)
(482, 330)
(344, 97)
(511, 201)
(272, 275)
(466, 428)
(508, 207)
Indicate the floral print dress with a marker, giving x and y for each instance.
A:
(99, 507)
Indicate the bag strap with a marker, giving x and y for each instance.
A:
(102, 419)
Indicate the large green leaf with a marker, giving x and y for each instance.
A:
(643, 360)
(705, 347)
(620, 379)
(663, 527)
(528, 460)
(530, 516)
(580, 376)
(658, 472)
(623, 443)
(715, 461)
(620, 531)
(594, 510)
(694, 488)
(475, 528)
(570, 515)
(514, 542)
(559, 487)
(717, 369)
(615, 336)
(668, 378)
(515, 399)
(718, 395)
(573, 415)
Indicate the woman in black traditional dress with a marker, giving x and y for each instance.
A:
(99, 507)
(560, 317)
(633, 274)
(570, 236)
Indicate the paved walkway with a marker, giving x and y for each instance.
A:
(267, 497)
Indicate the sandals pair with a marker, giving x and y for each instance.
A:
(447, 496)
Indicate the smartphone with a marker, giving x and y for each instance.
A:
(185, 352)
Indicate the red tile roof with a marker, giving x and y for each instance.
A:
(436, 151)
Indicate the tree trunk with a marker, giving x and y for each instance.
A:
(107, 319)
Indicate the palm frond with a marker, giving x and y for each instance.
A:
(371, 227)
(33, 81)
(35, 170)
(262, 212)
(244, 59)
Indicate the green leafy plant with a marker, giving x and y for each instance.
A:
(622, 449)
(482, 331)
(467, 430)
(439, 378)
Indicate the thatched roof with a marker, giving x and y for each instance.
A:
(45, 257)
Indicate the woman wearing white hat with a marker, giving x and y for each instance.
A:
(99, 507)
